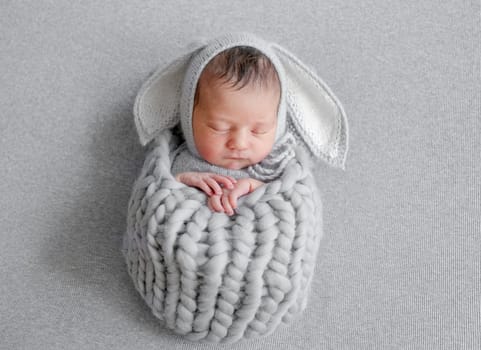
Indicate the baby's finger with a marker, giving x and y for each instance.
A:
(233, 199)
(232, 179)
(214, 185)
(215, 203)
(235, 194)
(227, 181)
(209, 203)
(204, 187)
(226, 204)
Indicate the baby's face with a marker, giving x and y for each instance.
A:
(234, 128)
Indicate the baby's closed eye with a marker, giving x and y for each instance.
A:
(263, 128)
(219, 128)
(259, 131)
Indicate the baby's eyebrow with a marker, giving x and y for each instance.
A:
(265, 123)
(216, 117)
(216, 120)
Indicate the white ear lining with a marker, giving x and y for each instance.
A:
(315, 113)
(315, 121)
(156, 107)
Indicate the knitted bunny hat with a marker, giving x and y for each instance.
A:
(307, 106)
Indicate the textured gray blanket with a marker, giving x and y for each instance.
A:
(218, 278)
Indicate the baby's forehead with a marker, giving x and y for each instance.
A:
(254, 105)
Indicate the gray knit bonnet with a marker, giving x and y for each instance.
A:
(308, 111)
(199, 62)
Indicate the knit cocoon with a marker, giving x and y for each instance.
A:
(217, 278)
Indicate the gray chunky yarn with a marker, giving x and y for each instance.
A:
(217, 278)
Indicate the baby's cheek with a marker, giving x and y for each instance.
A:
(264, 147)
(209, 151)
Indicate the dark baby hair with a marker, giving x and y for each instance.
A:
(240, 66)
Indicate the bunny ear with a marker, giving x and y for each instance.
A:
(156, 106)
(315, 114)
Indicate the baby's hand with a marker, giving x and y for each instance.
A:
(227, 202)
(210, 183)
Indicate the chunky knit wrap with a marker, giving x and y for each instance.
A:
(213, 277)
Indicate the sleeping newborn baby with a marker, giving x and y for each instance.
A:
(237, 128)
(250, 113)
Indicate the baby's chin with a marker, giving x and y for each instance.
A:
(231, 163)
(236, 164)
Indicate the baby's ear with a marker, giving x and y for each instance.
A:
(315, 113)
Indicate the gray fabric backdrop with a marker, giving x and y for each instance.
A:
(400, 263)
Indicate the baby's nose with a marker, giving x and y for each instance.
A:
(238, 141)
